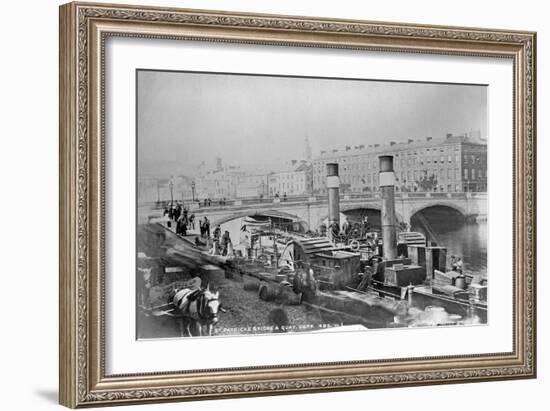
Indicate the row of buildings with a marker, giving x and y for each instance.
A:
(230, 182)
(292, 179)
(449, 164)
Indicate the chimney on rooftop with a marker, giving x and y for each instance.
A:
(428, 139)
(410, 140)
(392, 143)
(448, 135)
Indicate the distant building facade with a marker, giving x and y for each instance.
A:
(218, 184)
(450, 164)
(252, 185)
(297, 180)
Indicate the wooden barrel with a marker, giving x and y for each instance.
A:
(268, 292)
(281, 294)
(291, 298)
(250, 283)
(460, 282)
(280, 277)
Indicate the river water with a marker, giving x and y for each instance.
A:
(462, 239)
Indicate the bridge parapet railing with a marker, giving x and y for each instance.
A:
(314, 199)
(482, 195)
(416, 194)
(438, 195)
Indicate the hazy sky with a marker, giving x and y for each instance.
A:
(186, 118)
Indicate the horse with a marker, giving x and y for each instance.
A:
(197, 306)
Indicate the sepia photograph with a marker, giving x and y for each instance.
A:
(284, 204)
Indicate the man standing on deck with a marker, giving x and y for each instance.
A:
(206, 226)
(217, 232)
(459, 265)
(225, 242)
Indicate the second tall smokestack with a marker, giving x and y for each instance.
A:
(333, 188)
(387, 191)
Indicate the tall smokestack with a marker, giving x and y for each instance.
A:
(333, 187)
(387, 190)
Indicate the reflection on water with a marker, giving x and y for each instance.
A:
(433, 316)
(466, 240)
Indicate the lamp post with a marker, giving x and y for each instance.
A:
(158, 193)
(193, 189)
(171, 185)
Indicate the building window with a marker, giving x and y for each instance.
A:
(473, 173)
(465, 174)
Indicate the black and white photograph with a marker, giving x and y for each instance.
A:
(280, 204)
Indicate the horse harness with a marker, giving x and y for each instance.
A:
(194, 303)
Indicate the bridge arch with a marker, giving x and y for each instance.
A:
(368, 210)
(261, 213)
(439, 205)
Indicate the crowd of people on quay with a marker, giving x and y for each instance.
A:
(221, 202)
(179, 215)
(207, 202)
(216, 242)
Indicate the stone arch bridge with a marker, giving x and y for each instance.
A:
(313, 210)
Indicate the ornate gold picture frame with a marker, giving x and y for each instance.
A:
(84, 30)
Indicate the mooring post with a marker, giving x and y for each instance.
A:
(410, 289)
